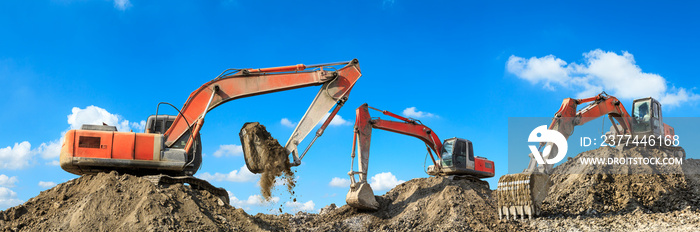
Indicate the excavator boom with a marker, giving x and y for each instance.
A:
(175, 148)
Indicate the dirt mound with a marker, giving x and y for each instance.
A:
(263, 154)
(589, 202)
(113, 202)
(592, 189)
(422, 204)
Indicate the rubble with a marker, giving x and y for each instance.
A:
(594, 199)
(592, 189)
(114, 202)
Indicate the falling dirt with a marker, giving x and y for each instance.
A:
(263, 154)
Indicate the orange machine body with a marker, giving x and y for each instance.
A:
(484, 167)
(112, 149)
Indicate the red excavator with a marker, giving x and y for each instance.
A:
(455, 156)
(171, 143)
(522, 194)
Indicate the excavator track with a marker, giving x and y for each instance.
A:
(467, 177)
(165, 180)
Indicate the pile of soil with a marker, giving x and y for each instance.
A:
(264, 154)
(592, 189)
(594, 200)
(113, 202)
(421, 204)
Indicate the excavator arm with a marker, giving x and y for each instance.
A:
(361, 195)
(568, 116)
(177, 151)
(363, 133)
(336, 86)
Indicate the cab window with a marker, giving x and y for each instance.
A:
(471, 151)
(641, 114)
(461, 158)
(447, 148)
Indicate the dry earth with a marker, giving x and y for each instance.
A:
(588, 201)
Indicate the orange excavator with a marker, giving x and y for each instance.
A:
(455, 156)
(171, 144)
(522, 194)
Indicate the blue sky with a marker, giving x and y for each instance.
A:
(468, 66)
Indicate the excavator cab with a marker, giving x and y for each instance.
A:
(458, 159)
(647, 118)
(159, 125)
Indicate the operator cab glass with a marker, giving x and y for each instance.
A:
(460, 154)
(161, 125)
(641, 113)
(457, 153)
(446, 153)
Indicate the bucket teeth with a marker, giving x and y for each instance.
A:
(518, 197)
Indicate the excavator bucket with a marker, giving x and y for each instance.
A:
(361, 196)
(259, 148)
(521, 194)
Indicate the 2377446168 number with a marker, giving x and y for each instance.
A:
(639, 140)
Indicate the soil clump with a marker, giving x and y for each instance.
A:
(264, 154)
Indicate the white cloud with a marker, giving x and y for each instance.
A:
(229, 150)
(337, 120)
(413, 113)
(253, 200)
(50, 150)
(138, 127)
(241, 175)
(677, 96)
(339, 182)
(260, 201)
(384, 181)
(96, 116)
(298, 206)
(547, 69)
(617, 74)
(16, 157)
(122, 4)
(46, 184)
(53, 163)
(21, 155)
(6, 181)
(8, 198)
(287, 123)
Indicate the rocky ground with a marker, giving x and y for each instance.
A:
(586, 201)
